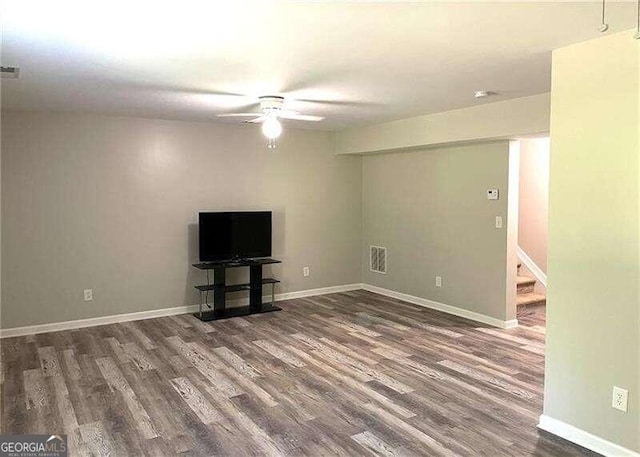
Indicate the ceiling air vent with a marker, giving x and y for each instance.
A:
(378, 259)
(10, 72)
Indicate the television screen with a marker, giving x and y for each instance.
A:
(229, 235)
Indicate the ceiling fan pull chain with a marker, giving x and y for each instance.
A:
(604, 26)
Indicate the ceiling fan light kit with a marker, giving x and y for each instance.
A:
(272, 107)
(272, 129)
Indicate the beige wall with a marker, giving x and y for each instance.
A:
(534, 199)
(429, 209)
(110, 204)
(593, 311)
(489, 121)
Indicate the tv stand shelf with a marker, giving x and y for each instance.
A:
(235, 263)
(235, 287)
(220, 288)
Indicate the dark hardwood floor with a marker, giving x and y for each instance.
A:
(343, 374)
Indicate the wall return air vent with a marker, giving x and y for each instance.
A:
(378, 259)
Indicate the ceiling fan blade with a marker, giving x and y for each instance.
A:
(338, 103)
(299, 117)
(257, 120)
(239, 115)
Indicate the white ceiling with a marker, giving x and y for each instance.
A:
(372, 62)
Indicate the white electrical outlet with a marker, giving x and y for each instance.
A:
(438, 281)
(305, 271)
(620, 399)
(88, 294)
(498, 221)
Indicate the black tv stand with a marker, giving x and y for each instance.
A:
(220, 288)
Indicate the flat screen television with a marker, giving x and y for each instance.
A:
(234, 235)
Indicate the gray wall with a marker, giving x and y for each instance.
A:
(429, 209)
(110, 204)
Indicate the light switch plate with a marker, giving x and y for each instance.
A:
(498, 221)
(493, 194)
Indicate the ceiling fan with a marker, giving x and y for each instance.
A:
(272, 107)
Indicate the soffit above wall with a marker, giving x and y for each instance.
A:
(501, 120)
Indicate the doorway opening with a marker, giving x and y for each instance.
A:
(532, 213)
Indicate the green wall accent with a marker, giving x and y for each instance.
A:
(593, 333)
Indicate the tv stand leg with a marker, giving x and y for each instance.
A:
(255, 281)
(219, 299)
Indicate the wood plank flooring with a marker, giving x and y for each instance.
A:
(342, 374)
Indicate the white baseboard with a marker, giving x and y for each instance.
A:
(314, 292)
(442, 307)
(531, 265)
(513, 323)
(113, 319)
(584, 439)
(94, 321)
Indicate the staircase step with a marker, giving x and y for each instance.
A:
(525, 284)
(525, 280)
(530, 298)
